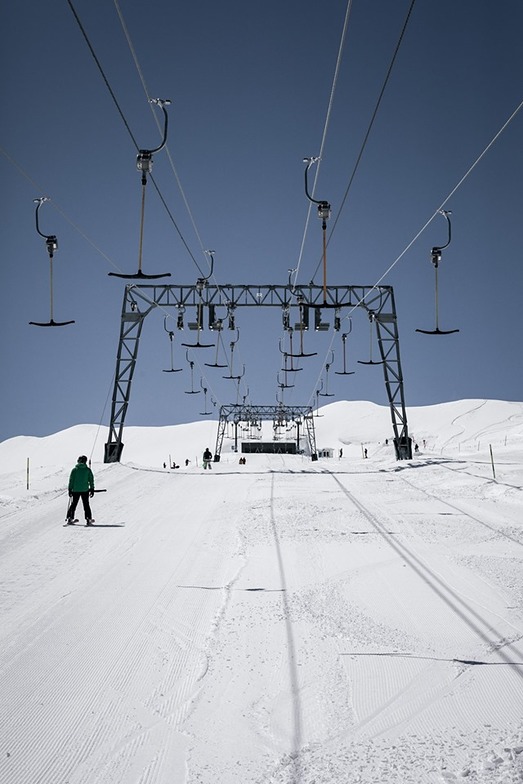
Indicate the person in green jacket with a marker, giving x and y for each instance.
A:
(81, 485)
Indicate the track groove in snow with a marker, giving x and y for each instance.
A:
(346, 622)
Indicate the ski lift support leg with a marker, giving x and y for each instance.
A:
(130, 331)
(389, 347)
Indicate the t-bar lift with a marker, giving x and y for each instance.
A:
(140, 299)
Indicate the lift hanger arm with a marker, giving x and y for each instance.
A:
(162, 103)
(437, 248)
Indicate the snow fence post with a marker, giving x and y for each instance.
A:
(492, 461)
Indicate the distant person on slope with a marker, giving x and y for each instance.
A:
(207, 457)
(81, 485)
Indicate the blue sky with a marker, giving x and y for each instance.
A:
(250, 86)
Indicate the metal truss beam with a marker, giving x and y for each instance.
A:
(140, 299)
(281, 415)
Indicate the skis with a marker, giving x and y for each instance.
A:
(76, 520)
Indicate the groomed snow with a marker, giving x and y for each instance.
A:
(343, 621)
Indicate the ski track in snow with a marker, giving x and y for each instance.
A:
(338, 622)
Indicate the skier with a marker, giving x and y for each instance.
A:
(207, 457)
(81, 485)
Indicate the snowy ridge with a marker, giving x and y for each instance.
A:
(448, 426)
(348, 621)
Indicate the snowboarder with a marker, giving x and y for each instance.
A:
(81, 485)
(207, 457)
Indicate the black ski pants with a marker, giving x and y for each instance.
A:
(74, 502)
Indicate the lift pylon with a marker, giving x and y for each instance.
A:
(140, 299)
(237, 414)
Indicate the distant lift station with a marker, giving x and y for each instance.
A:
(281, 415)
(201, 301)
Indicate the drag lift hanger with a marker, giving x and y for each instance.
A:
(344, 337)
(51, 244)
(204, 413)
(327, 368)
(192, 390)
(172, 369)
(324, 211)
(144, 164)
(285, 370)
(198, 324)
(290, 354)
(436, 258)
(230, 365)
(302, 326)
(370, 361)
(218, 325)
(283, 384)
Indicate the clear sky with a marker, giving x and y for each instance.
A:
(250, 85)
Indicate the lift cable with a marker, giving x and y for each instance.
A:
(127, 126)
(104, 77)
(439, 209)
(62, 212)
(147, 94)
(293, 273)
(429, 221)
(155, 115)
(325, 128)
(83, 234)
(173, 168)
(99, 427)
(371, 123)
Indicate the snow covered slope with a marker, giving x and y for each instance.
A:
(283, 622)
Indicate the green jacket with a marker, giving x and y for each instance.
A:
(81, 479)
